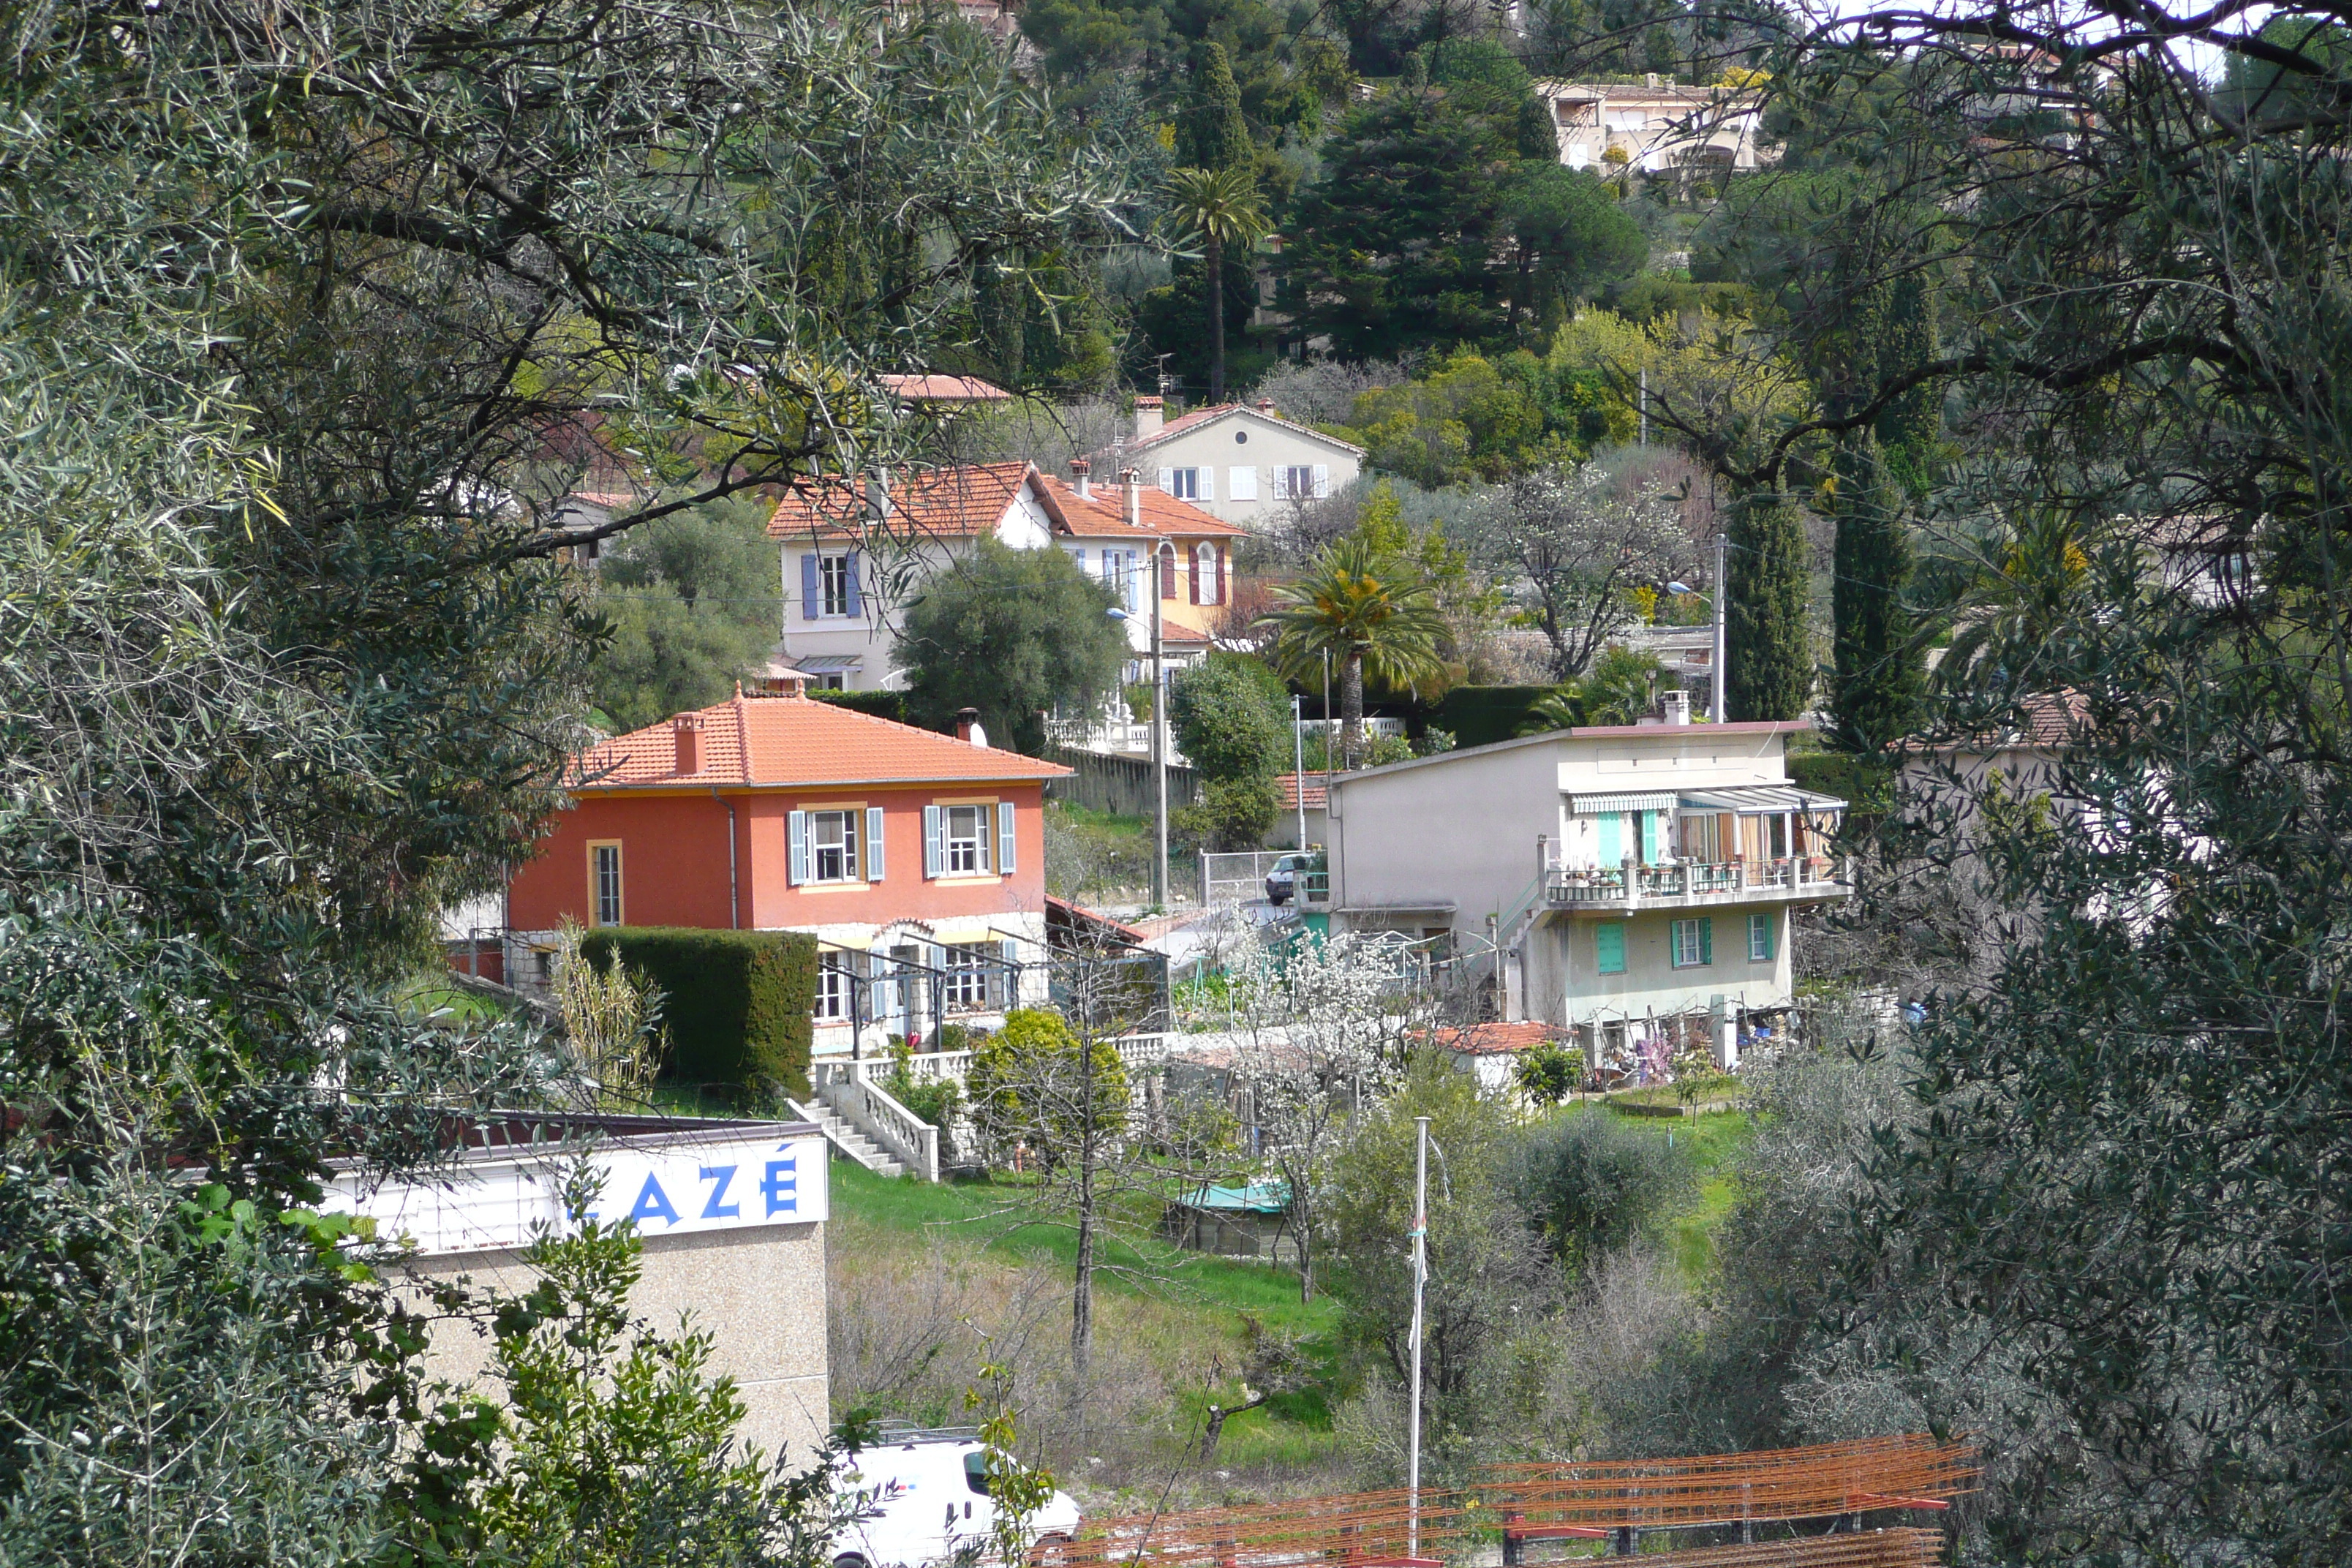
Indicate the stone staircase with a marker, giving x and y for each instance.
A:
(846, 1140)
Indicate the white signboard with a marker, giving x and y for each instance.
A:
(668, 1184)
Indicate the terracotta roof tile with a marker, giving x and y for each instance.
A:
(1318, 798)
(1215, 411)
(966, 501)
(1498, 1039)
(946, 389)
(792, 741)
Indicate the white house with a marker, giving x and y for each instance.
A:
(1635, 880)
(1239, 461)
(1657, 128)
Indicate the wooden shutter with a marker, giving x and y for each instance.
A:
(1612, 839)
(1206, 483)
(1241, 484)
(811, 599)
(1008, 988)
(1007, 836)
(1221, 576)
(1322, 482)
(1193, 576)
(796, 839)
(1707, 939)
(873, 843)
(1609, 948)
(933, 854)
(850, 569)
(1167, 573)
(1168, 481)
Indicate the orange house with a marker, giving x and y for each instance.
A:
(905, 852)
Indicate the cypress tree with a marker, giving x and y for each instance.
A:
(1213, 133)
(1768, 671)
(1909, 426)
(1875, 691)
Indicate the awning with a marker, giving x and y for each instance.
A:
(1759, 800)
(1585, 805)
(827, 663)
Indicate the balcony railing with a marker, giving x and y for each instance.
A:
(1626, 887)
(1115, 737)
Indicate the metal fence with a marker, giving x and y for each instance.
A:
(1237, 878)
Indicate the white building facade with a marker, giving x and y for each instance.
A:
(1239, 462)
(1657, 128)
(1631, 879)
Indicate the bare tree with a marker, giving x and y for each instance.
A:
(1580, 543)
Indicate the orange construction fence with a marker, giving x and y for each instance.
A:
(1517, 1504)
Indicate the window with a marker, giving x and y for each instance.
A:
(1119, 571)
(833, 986)
(1207, 578)
(832, 844)
(833, 578)
(1184, 484)
(1241, 484)
(1608, 949)
(1241, 438)
(1694, 943)
(1759, 939)
(1295, 484)
(831, 680)
(605, 883)
(967, 839)
(969, 967)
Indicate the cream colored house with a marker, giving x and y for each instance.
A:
(1634, 881)
(1238, 461)
(1658, 128)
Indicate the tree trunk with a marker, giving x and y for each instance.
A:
(1082, 1286)
(1352, 708)
(1216, 321)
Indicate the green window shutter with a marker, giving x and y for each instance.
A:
(1654, 837)
(1613, 837)
(1609, 948)
(1759, 939)
(1707, 939)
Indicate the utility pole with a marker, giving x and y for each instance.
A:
(1643, 437)
(1722, 588)
(1159, 734)
(1298, 765)
(1420, 1277)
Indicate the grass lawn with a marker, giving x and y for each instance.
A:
(1714, 1140)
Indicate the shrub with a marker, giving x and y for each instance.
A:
(1550, 1073)
(1029, 1083)
(890, 705)
(1233, 814)
(736, 1002)
(1592, 1184)
(1230, 717)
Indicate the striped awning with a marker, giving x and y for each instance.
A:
(1759, 800)
(1655, 800)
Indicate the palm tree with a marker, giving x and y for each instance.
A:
(1375, 614)
(1221, 207)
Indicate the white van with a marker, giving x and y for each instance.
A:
(926, 1495)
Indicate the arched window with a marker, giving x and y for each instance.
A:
(1205, 573)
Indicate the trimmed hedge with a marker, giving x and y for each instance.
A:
(1481, 715)
(736, 1003)
(1867, 783)
(890, 705)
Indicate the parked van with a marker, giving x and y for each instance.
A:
(926, 1496)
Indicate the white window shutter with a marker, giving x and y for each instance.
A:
(873, 843)
(1078, 559)
(1322, 482)
(797, 838)
(1208, 484)
(932, 845)
(1168, 481)
(1008, 994)
(1006, 838)
(1241, 484)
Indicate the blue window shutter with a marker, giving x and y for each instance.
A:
(1613, 837)
(931, 850)
(796, 834)
(873, 843)
(855, 566)
(1078, 559)
(1006, 840)
(811, 601)
(1008, 993)
(1609, 948)
(1707, 939)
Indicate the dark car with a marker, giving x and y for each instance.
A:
(1282, 880)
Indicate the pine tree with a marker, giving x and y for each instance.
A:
(1767, 669)
(1875, 693)
(1213, 133)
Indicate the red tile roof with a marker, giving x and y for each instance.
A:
(1199, 416)
(966, 501)
(771, 741)
(946, 389)
(1498, 1039)
(1318, 798)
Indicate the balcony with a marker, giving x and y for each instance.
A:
(1696, 885)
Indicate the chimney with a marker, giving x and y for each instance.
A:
(1132, 483)
(1266, 405)
(687, 731)
(967, 720)
(1148, 416)
(1079, 469)
(877, 496)
(1674, 706)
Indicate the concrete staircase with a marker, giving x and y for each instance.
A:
(846, 1140)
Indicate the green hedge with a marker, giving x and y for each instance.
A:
(1481, 715)
(1867, 783)
(890, 705)
(736, 1002)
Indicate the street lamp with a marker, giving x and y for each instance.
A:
(1159, 732)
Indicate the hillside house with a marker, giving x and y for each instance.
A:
(851, 553)
(905, 852)
(1240, 461)
(1658, 128)
(1634, 881)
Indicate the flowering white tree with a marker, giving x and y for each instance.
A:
(1317, 1026)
